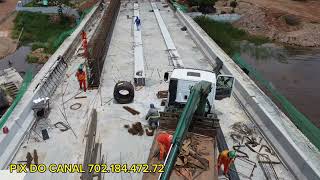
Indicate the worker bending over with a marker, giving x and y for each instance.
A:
(81, 76)
(153, 116)
(226, 158)
(164, 141)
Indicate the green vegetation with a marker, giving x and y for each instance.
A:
(32, 59)
(37, 3)
(32, 4)
(201, 2)
(40, 29)
(227, 36)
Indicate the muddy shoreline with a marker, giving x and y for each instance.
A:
(283, 21)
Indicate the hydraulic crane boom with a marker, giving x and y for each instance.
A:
(195, 105)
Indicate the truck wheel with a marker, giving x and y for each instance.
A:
(123, 92)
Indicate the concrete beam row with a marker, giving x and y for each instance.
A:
(172, 50)
(139, 71)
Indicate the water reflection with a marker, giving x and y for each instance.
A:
(18, 60)
(293, 71)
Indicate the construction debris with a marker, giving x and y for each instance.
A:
(190, 162)
(184, 28)
(149, 132)
(63, 127)
(131, 110)
(35, 157)
(136, 129)
(29, 159)
(190, 157)
(162, 94)
(163, 102)
(80, 97)
(75, 106)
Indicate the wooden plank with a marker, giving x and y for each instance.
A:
(206, 148)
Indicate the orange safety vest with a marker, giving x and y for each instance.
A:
(84, 35)
(81, 76)
(164, 140)
(224, 158)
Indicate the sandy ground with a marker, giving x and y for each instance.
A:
(308, 10)
(6, 7)
(7, 45)
(268, 18)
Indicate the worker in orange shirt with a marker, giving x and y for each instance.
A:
(164, 141)
(226, 158)
(83, 35)
(81, 76)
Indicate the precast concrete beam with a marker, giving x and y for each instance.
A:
(139, 72)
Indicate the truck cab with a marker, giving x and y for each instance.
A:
(182, 79)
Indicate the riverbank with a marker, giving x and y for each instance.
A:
(7, 15)
(227, 36)
(286, 21)
(40, 30)
(290, 71)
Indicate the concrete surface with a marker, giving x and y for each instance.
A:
(139, 72)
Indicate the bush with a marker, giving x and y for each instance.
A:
(226, 36)
(32, 59)
(40, 29)
(233, 4)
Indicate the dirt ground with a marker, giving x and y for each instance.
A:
(308, 10)
(7, 7)
(7, 15)
(286, 21)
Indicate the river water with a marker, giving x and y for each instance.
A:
(295, 72)
(18, 60)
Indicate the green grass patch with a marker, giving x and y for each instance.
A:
(39, 29)
(33, 4)
(32, 59)
(227, 36)
(36, 3)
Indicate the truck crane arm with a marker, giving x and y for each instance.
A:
(195, 105)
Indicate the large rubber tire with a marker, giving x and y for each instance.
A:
(123, 98)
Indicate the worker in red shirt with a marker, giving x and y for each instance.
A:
(164, 141)
(226, 158)
(81, 76)
(83, 35)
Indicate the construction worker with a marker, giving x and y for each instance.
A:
(81, 76)
(164, 141)
(83, 35)
(138, 23)
(226, 158)
(84, 43)
(153, 116)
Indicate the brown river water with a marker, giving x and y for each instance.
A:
(295, 72)
(18, 60)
